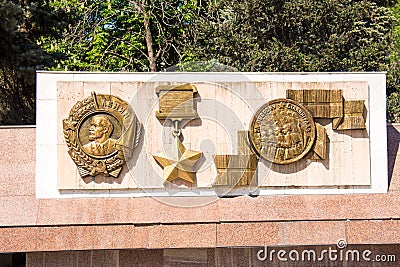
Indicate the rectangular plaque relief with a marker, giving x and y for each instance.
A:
(207, 133)
(321, 103)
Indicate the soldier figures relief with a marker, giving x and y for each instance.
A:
(282, 131)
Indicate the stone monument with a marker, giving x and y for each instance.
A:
(195, 133)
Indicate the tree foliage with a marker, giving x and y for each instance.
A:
(152, 35)
(22, 24)
(301, 35)
(393, 99)
(293, 35)
(124, 35)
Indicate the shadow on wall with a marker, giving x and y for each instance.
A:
(393, 139)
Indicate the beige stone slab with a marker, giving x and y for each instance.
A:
(246, 90)
(308, 85)
(361, 158)
(275, 90)
(66, 169)
(68, 94)
(206, 90)
(63, 109)
(353, 90)
(97, 87)
(223, 136)
(127, 91)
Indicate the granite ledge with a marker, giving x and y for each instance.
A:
(27, 239)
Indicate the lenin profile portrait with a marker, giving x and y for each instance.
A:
(100, 132)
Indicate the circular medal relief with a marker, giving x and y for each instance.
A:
(282, 131)
(98, 134)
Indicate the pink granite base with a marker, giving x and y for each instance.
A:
(218, 257)
(28, 224)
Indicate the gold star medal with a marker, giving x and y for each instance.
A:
(176, 104)
(178, 162)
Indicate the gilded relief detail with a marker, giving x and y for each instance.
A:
(282, 131)
(101, 133)
(176, 104)
(237, 170)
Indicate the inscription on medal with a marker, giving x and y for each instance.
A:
(282, 131)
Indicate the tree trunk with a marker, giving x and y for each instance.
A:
(149, 43)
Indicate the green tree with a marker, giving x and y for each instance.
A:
(22, 25)
(123, 35)
(248, 35)
(301, 35)
(393, 100)
(293, 35)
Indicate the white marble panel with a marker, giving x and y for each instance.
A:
(355, 159)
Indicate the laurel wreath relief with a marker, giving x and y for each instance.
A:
(111, 165)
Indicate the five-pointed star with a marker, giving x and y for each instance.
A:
(178, 162)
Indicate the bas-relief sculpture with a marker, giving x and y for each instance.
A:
(237, 170)
(102, 131)
(178, 162)
(345, 114)
(176, 103)
(282, 131)
(353, 115)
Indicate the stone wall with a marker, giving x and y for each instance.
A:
(29, 224)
